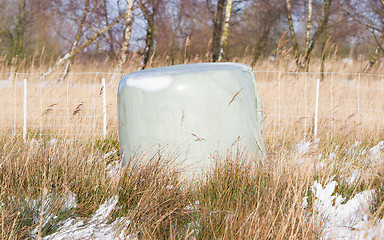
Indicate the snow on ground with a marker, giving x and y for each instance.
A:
(114, 167)
(97, 227)
(349, 220)
(376, 152)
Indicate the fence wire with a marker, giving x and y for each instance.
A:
(83, 104)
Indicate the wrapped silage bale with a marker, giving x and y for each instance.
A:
(198, 110)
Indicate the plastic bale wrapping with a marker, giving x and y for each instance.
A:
(197, 110)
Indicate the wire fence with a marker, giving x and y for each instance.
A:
(84, 104)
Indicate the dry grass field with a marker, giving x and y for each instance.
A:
(59, 183)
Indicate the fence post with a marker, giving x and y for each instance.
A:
(305, 105)
(104, 109)
(279, 100)
(332, 78)
(15, 107)
(358, 104)
(25, 110)
(316, 108)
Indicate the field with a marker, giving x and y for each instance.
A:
(60, 185)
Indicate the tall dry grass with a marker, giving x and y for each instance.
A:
(237, 200)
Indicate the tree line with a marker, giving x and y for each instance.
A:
(180, 30)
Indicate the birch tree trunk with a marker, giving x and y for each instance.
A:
(308, 30)
(292, 31)
(326, 7)
(127, 35)
(218, 21)
(379, 47)
(224, 35)
(375, 55)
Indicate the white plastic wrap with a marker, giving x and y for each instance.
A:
(198, 110)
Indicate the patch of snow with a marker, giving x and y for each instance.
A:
(70, 200)
(304, 205)
(108, 154)
(97, 227)
(53, 142)
(193, 207)
(355, 175)
(35, 205)
(332, 156)
(376, 152)
(113, 168)
(350, 220)
(304, 147)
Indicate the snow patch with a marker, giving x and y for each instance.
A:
(97, 227)
(113, 168)
(376, 152)
(305, 147)
(53, 142)
(108, 154)
(350, 220)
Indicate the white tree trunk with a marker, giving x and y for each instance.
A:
(224, 35)
(127, 35)
(309, 24)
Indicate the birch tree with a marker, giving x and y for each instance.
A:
(326, 7)
(224, 35)
(321, 30)
(127, 35)
(308, 28)
(218, 21)
(77, 38)
(375, 56)
(292, 31)
(79, 47)
(369, 14)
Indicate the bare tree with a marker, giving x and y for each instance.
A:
(376, 53)
(77, 38)
(326, 7)
(127, 34)
(308, 28)
(369, 14)
(149, 9)
(292, 31)
(321, 30)
(13, 36)
(218, 21)
(224, 34)
(74, 50)
(263, 20)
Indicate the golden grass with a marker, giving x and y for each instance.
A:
(237, 200)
